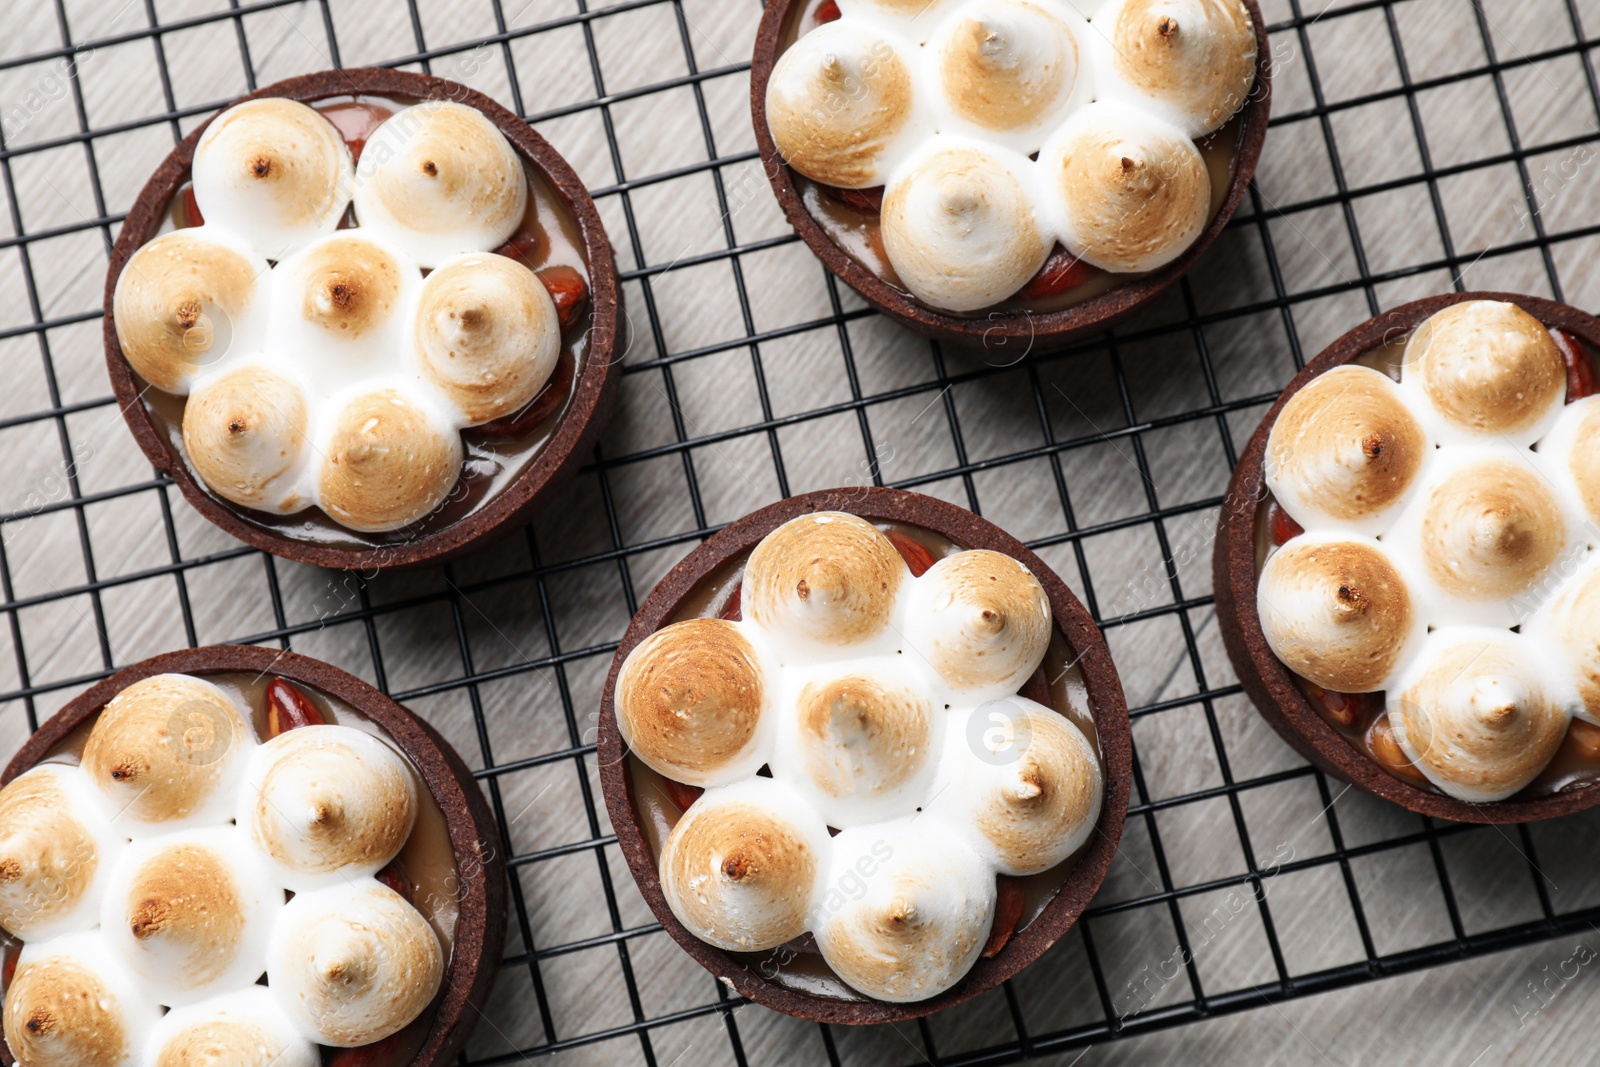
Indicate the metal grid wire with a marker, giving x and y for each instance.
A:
(1418, 145)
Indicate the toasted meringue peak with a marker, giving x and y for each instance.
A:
(243, 1029)
(1337, 612)
(1009, 67)
(190, 913)
(1135, 190)
(1032, 795)
(346, 285)
(242, 431)
(1475, 716)
(180, 302)
(740, 868)
(387, 463)
(71, 1005)
(1570, 450)
(982, 620)
(1194, 58)
(922, 919)
(273, 171)
(1346, 448)
(487, 333)
(353, 964)
(915, 20)
(838, 102)
(164, 754)
(1491, 528)
(56, 853)
(1488, 368)
(326, 804)
(690, 703)
(1570, 622)
(438, 178)
(865, 744)
(960, 226)
(828, 578)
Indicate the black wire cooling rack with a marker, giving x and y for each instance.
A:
(1417, 146)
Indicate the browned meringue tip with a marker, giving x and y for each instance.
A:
(438, 178)
(177, 304)
(244, 429)
(690, 700)
(1135, 190)
(862, 737)
(1006, 65)
(961, 227)
(828, 577)
(387, 463)
(982, 620)
(162, 750)
(1475, 716)
(348, 284)
(1584, 463)
(1196, 56)
(1346, 445)
(739, 870)
(273, 170)
(1491, 529)
(836, 103)
(69, 1006)
(55, 848)
(1336, 612)
(353, 964)
(1488, 368)
(487, 333)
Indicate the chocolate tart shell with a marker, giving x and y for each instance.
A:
(594, 392)
(1011, 331)
(480, 930)
(1271, 685)
(1083, 639)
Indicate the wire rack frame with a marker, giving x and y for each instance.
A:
(1295, 34)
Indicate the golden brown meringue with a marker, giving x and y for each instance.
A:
(70, 1005)
(438, 178)
(690, 701)
(1197, 57)
(327, 803)
(828, 578)
(1007, 65)
(56, 849)
(1034, 794)
(164, 751)
(1492, 528)
(347, 284)
(739, 869)
(1336, 612)
(982, 620)
(960, 227)
(1488, 367)
(922, 920)
(353, 964)
(1135, 190)
(244, 429)
(862, 739)
(487, 333)
(387, 463)
(1571, 623)
(179, 303)
(1476, 717)
(190, 913)
(274, 171)
(837, 101)
(243, 1029)
(1583, 460)
(1345, 446)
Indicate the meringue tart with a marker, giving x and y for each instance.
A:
(1009, 172)
(240, 855)
(865, 754)
(1408, 559)
(364, 318)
